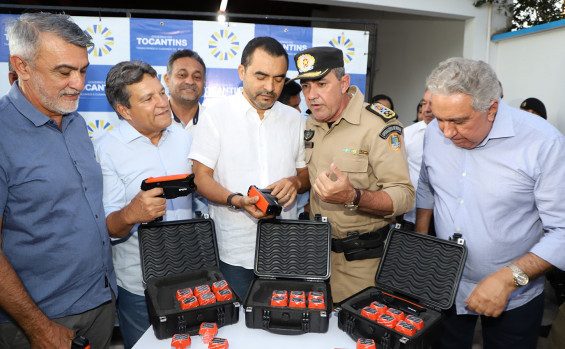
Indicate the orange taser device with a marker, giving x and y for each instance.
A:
(268, 203)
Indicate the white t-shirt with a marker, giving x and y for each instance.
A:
(244, 150)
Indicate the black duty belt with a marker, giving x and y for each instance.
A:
(361, 246)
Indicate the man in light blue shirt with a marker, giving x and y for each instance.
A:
(493, 174)
(143, 145)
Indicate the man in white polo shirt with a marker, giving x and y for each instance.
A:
(249, 139)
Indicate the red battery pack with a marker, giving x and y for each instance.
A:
(280, 293)
(315, 295)
(370, 313)
(184, 293)
(189, 303)
(364, 343)
(395, 313)
(218, 343)
(379, 307)
(278, 301)
(208, 330)
(416, 321)
(224, 295)
(387, 320)
(317, 303)
(297, 302)
(198, 290)
(405, 328)
(206, 298)
(300, 294)
(180, 341)
(220, 285)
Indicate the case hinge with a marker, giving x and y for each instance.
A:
(181, 324)
(458, 238)
(306, 322)
(249, 309)
(318, 218)
(266, 319)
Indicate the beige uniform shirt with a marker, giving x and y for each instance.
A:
(371, 152)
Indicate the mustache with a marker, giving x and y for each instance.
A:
(70, 91)
(188, 87)
(265, 92)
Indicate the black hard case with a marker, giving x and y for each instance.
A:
(420, 269)
(176, 255)
(291, 255)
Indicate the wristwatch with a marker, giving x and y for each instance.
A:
(355, 203)
(230, 205)
(520, 278)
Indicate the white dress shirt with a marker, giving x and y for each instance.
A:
(414, 142)
(244, 150)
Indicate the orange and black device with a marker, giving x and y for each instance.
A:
(365, 343)
(79, 342)
(268, 203)
(180, 341)
(173, 186)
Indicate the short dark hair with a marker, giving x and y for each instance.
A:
(122, 75)
(181, 54)
(385, 97)
(266, 43)
(290, 88)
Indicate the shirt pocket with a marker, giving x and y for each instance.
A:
(356, 167)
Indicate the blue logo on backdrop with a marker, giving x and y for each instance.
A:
(223, 44)
(154, 40)
(103, 40)
(93, 97)
(345, 45)
(293, 39)
(97, 128)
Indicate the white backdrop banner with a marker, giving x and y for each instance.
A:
(219, 45)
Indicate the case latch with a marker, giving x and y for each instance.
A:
(306, 322)
(385, 341)
(458, 238)
(266, 319)
(181, 324)
(349, 325)
(221, 316)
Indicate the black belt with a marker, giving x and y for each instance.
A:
(362, 246)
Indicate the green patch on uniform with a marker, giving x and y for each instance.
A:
(390, 129)
(383, 112)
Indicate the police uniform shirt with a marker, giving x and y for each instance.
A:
(368, 147)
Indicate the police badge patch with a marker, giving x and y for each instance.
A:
(383, 112)
(308, 134)
(394, 141)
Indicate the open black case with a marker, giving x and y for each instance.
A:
(291, 255)
(418, 275)
(176, 255)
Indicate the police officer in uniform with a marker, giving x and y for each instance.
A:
(357, 167)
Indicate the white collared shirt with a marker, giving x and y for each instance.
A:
(414, 141)
(244, 150)
(127, 158)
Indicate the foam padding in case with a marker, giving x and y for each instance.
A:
(424, 267)
(177, 247)
(293, 249)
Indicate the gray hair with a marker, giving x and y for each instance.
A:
(339, 72)
(24, 32)
(122, 75)
(460, 75)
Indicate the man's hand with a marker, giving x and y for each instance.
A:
(339, 191)
(146, 206)
(248, 204)
(51, 336)
(285, 190)
(491, 294)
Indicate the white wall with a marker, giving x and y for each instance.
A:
(407, 52)
(533, 66)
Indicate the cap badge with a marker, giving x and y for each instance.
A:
(305, 63)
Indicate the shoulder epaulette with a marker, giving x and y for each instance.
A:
(383, 112)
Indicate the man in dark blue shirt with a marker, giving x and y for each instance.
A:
(55, 263)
